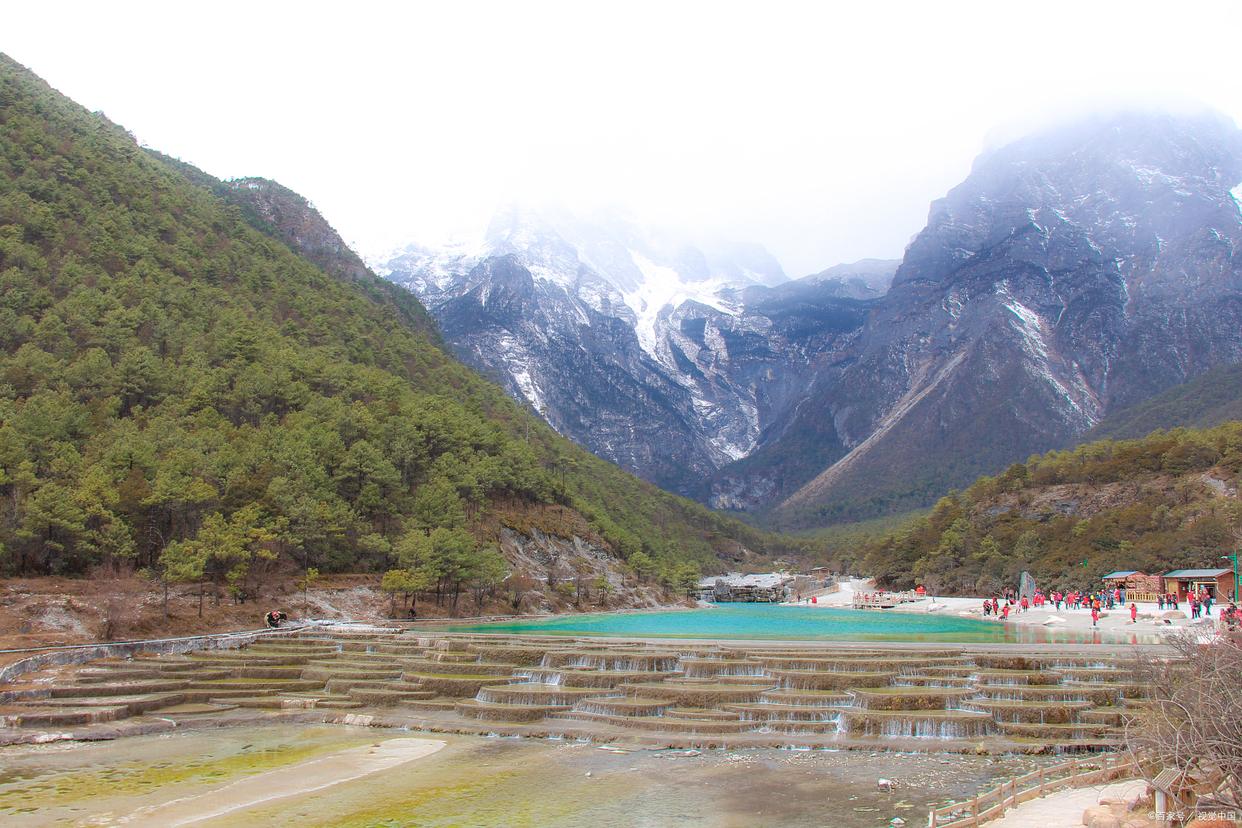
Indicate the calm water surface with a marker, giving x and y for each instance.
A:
(769, 621)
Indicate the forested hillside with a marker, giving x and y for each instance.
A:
(182, 393)
(1205, 401)
(1165, 501)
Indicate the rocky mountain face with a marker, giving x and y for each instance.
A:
(663, 357)
(1073, 273)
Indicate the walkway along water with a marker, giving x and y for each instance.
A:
(992, 804)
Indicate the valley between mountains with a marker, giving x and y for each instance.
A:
(1074, 273)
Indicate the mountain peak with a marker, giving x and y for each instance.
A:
(1075, 271)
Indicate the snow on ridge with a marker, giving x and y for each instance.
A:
(658, 288)
(517, 363)
(662, 287)
(1030, 319)
(733, 449)
(1031, 326)
(528, 387)
(551, 275)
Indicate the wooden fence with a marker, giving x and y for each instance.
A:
(992, 804)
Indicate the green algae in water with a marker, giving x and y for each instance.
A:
(475, 781)
(62, 776)
(798, 623)
(502, 783)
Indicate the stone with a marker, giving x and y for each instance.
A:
(1104, 821)
(1094, 812)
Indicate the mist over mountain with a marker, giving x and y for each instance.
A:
(660, 355)
(1076, 271)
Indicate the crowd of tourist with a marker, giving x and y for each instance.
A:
(1200, 604)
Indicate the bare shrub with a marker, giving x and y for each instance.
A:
(117, 617)
(1192, 722)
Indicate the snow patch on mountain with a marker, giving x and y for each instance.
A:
(660, 355)
(662, 291)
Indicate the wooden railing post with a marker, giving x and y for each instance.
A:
(1054, 777)
(931, 818)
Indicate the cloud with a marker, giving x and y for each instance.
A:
(822, 132)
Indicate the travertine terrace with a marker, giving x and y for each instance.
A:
(656, 693)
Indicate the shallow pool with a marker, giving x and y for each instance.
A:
(476, 782)
(773, 621)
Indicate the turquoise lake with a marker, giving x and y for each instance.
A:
(768, 621)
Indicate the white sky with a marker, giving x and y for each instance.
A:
(822, 130)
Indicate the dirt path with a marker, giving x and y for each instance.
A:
(295, 780)
(1064, 809)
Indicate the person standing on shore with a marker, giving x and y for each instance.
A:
(1095, 614)
(1133, 613)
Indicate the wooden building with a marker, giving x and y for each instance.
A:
(1184, 582)
(1138, 586)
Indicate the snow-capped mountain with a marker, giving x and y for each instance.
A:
(1074, 272)
(651, 351)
